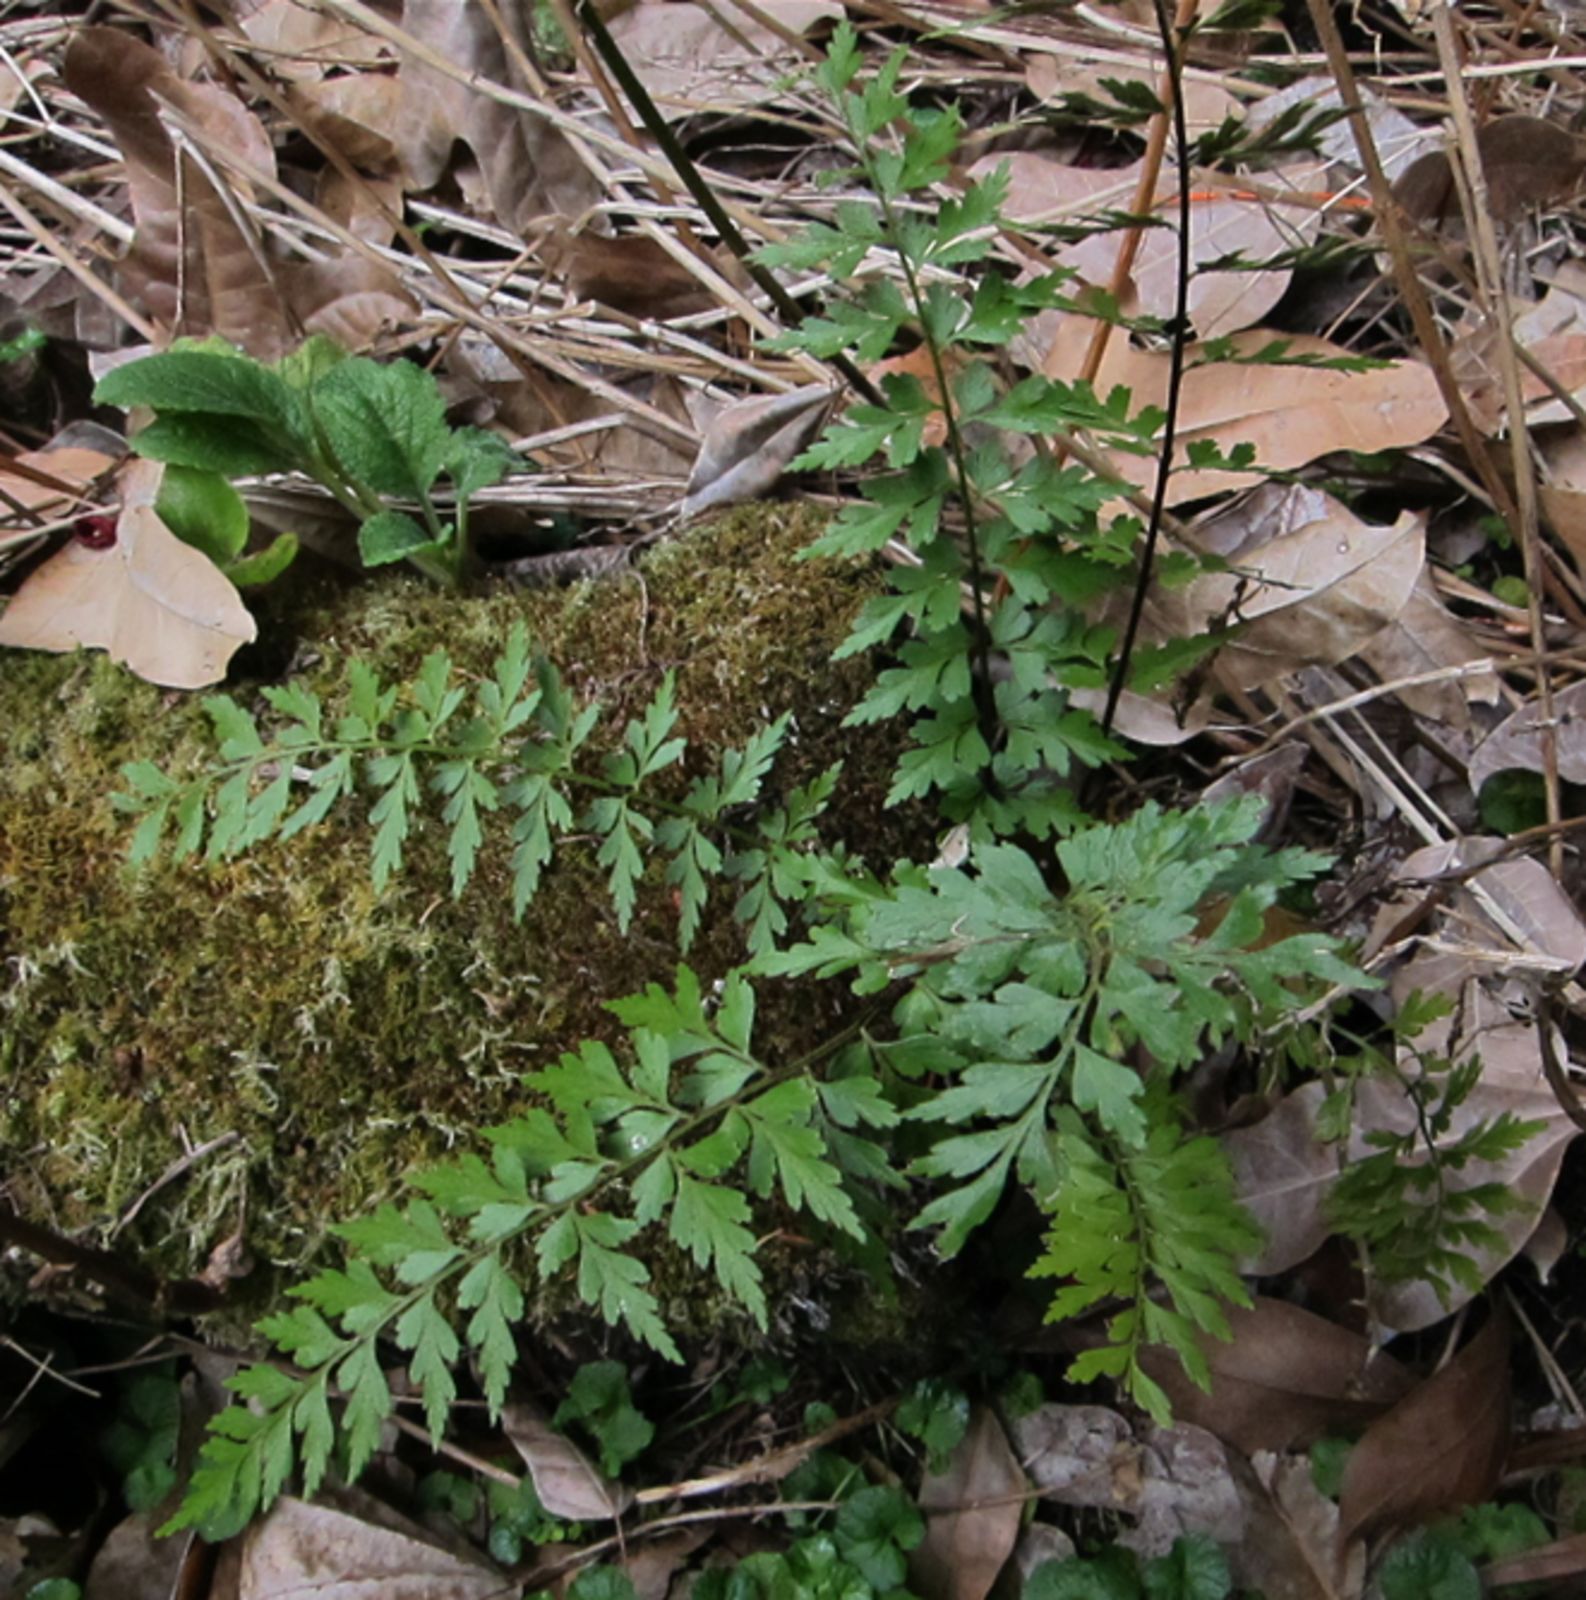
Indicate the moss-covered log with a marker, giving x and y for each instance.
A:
(334, 1035)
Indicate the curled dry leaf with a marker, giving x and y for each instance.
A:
(973, 1510)
(300, 1549)
(746, 447)
(1291, 414)
(191, 265)
(1319, 587)
(1439, 1448)
(1517, 741)
(565, 1480)
(1285, 1378)
(695, 58)
(152, 602)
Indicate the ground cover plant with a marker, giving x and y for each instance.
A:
(1096, 1018)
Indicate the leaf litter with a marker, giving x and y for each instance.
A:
(492, 210)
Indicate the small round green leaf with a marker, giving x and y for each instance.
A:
(203, 510)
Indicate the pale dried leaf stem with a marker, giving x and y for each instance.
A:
(76, 268)
(1391, 222)
(1489, 272)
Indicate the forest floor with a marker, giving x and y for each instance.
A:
(1369, 351)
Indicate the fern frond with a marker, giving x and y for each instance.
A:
(662, 1139)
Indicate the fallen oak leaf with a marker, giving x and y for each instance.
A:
(157, 605)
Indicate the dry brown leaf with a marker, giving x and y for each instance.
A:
(631, 274)
(152, 602)
(1255, 229)
(1290, 1550)
(1441, 1447)
(1291, 414)
(1399, 141)
(1206, 105)
(1512, 1080)
(1173, 1481)
(530, 169)
(1552, 331)
(652, 1566)
(356, 115)
(1526, 160)
(367, 208)
(304, 42)
(566, 1482)
(1563, 496)
(191, 265)
(1285, 1173)
(972, 1514)
(1427, 637)
(315, 1552)
(1517, 741)
(746, 447)
(1042, 188)
(1319, 587)
(75, 468)
(691, 58)
(1285, 1378)
(352, 300)
(1080, 1455)
(135, 1563)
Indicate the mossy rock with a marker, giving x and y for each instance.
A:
(329, 1036)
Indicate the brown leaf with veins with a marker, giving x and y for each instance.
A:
(1441, 1447)
(1320, 587)
(1291, 414)
(566, 1481)
(298, 1550)
(1285, 1378)
(191, 264)
(973, 1510)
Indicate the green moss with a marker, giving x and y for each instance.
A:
(331, 1036)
